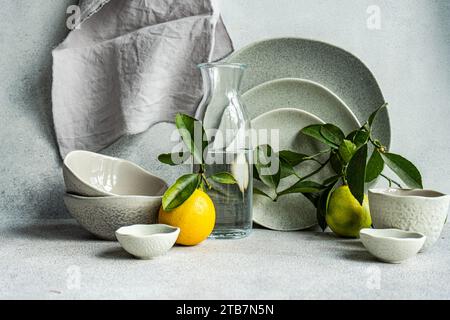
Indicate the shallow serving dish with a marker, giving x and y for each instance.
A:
(302, 94)
(423, 211)
(95, 175)
(392, 245)
(102, 216)
(147, 241)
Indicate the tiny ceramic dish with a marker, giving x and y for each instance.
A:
(94, 175)
(147, 241)
(392, 245)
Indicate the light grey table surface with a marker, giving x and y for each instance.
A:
(56, 259)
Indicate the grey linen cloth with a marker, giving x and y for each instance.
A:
(129, 65)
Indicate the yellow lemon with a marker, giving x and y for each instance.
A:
(196, 218)
(345, 215)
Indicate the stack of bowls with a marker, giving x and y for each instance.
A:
(104, 193)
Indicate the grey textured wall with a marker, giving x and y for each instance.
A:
(30, 168)
(409, 55)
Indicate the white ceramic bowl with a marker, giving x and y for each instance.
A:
(423, 211)
(392, 245)
(102, 216)
(147, 241)
(95, 175)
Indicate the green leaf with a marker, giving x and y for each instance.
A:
(356, 173)
(302, 187)
(378, 143)
(256, 174)
(322, 206)
(403, 168)
(191, 130)
(174, 159)
(361, 138)
(331, 180)
(351, 135)
(265, 158)
(346, 150)
(314, 132)
(313, 198)
(224, 178)
(375, 166)
(358, 137)
(177, 194)
(322, 210)
(336, 163)
(286, 169)
(374, 115)
(289, 160)
(261, 193)
(332, 133)
(293, 158)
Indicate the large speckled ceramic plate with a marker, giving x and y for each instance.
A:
(291, 212)
(300, 94)
(332, 67)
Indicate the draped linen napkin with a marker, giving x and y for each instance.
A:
(129, 65)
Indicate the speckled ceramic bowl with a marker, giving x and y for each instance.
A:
(392, 245)
(95, 175)
(147, 241)
(102, 216)
(423, 211)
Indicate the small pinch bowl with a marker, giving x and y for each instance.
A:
(392, 245)
(102, 216)
(423, 211)
(94, 175)
(147, 241)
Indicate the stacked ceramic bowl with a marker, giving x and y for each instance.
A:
(291, 83)
(104, 194)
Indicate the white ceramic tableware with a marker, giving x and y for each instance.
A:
(102, 216)
(423, 211)
(300, 94)
(147, 241)
(95, 175)
(291, 212)
(392, 245)
(336, 69)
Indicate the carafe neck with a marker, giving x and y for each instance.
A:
(221, 80)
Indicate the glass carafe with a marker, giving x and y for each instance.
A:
(228, 128)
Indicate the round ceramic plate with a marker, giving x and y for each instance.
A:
(291, 212)
(332, 67)
(300, 94)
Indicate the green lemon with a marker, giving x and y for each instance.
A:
(345, 215)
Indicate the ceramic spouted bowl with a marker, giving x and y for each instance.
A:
(423, 211)
(94, 175)
(392, 245)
